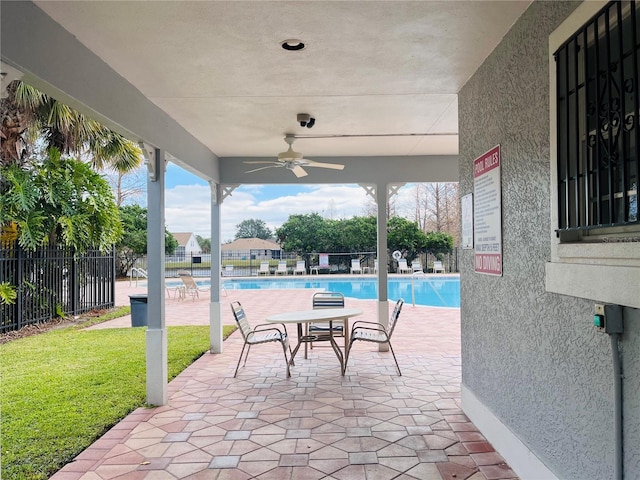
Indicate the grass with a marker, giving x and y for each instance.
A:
(63, 389)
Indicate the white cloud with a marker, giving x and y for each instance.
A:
(188, 206)
(188, 209)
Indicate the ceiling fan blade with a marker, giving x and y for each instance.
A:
(262, 168)
(298, 171)
(273, 162)
(334, 166)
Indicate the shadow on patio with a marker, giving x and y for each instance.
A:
(370, 424)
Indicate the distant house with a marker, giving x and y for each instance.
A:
(251, 249)
(187, 244)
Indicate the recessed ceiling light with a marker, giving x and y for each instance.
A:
(292, 44)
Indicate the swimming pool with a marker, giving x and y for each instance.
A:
(429, 290)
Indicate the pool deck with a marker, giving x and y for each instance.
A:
(369, 424)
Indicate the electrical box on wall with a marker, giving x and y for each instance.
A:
(608, 318)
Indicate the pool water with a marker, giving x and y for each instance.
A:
(428, 290)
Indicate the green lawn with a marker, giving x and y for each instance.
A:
(63, 389)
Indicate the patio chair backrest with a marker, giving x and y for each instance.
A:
(402, 263)
(328, 300)
(416, 266)
(188, 280)
(394, 317)
(241, 320)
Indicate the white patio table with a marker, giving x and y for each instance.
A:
(318, 315)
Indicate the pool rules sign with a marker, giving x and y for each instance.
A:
(487, 213)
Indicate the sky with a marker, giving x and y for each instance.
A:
(188, 203)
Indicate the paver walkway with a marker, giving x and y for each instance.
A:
(370, 424)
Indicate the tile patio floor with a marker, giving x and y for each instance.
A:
(370, 424)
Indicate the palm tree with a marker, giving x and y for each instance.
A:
(28, 114)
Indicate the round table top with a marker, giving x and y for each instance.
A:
(317, 315)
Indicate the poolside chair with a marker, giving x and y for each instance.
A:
(375, 332)
(402, 266)
(355, 266)
(416, 266)
(321, 329)
(282, 268)
(375, 266)
(438, 267)
(263, 333)
(301, 267)
(179, 291)
(264, 269)
(228, 271)
(190, 285)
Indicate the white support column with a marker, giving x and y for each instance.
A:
(215, 307)
(383, 300)
(156, 339)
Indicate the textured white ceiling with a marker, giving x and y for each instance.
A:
(389, 68)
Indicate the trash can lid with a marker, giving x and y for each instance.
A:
(138, 295)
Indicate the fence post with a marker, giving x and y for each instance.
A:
(21, 296)
(74, 282)
(114, 252)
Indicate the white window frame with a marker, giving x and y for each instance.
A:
(603, 272)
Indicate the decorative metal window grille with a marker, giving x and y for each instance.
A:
(597, 80)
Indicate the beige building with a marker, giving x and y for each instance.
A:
(251, 249)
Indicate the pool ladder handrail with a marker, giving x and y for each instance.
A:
(428, 280)
(139, 272)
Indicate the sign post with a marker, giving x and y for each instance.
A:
(487, 211)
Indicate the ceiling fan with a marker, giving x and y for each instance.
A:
(292, 160)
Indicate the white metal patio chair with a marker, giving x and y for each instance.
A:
(264, 269)
(416, 266)
(375, 332)
(403, 267)
(355, 266)
(262, 333)
(438, 267)
(301, 268)
(282, 268)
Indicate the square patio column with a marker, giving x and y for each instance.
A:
(383, 301)
(215, 306)
(156, 337)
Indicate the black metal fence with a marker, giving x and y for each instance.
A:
(53, 282)
(247, 263)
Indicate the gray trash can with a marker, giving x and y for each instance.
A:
(138, 310)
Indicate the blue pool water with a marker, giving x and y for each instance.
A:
(429, 290)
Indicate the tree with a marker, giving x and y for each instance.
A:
(128, 187)
(59, 202)
(133, 244)
(437, 208)
(302, 233)
(358, 234)
(28, 114)
(438, 242)
(253, 228)
(405, 236)
(205, 244)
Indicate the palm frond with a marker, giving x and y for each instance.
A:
(29, 98)
(110, 149)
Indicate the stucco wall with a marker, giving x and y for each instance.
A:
(533, 358)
